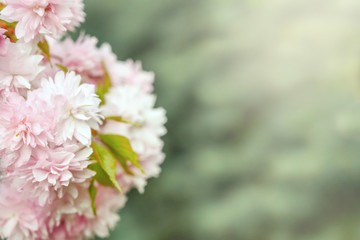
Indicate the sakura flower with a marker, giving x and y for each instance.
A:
(52, 172)
(78, 14)
(43, 17)
(70, 227)
(77, 107)
(20, 218)
(23, 127)
(77, 221)
(129, 102)
(131, 73)
(81, 56)
(47, 118)
(19, 66)
(108, 202)
(68, 214)
(85, 58)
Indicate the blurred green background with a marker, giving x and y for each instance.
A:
(262, 98)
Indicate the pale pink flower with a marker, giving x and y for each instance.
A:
(85, 58)
(131, 73)
(81, 56)
(78, 14)
(65, 210)
(53, 172)
(75, 220)
(128, 102)
(76, 104)
(70, 227)
(21, 218)
(43, 17)
(46, 122)
(108, 202)
(19, 66)
(24, 125)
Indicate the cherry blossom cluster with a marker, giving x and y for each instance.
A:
(78, 127)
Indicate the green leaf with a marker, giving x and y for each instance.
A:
(2, 6)
(99, 92)
(107, 80)
(122, 150)
(10, 27)
(103, 88)
(106, 161)
(44, 47)
(62, 67)
(101, 176)
(93, 192)
(124, 165)
(120, 119)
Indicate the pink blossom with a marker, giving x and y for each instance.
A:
(23, 127)
(19, 67)
(52, 172)
(78, 14)
(108, 202)
(20, 218)
(76, 220)
(43, 17)
(131, 73)
(81, 56)
(77, 107)
(70, 227)
(85, 58)
(46, 122)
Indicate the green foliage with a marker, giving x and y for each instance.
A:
(104, 87)
(101, 176)
(2, 6)
(93, 192)
(122, 150)
(44, 47)
(62, 67)
(120, 119)
(107, 80)
(107, 162)
(10, 27)
(117, 147)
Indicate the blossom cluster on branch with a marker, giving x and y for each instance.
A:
(78, 127)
